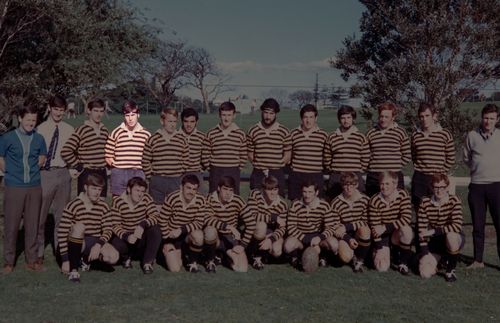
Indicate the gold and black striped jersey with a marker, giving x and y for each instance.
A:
(433, 153)
(195, 142)
(395, 214)
(268, 145)
(86, 147)
(129, 215)
(444, 218)
(313, 218)
(308, 149)
(177, 214)
(225, 148)
(165, 155)
(347, 152)
(389, 149)
(353, 215)
(96, 217)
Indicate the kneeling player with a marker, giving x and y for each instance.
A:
(181, 222)
(440, 229)
(389, 217)
(224, 210)
(85, 229)
(269, 211)
(137, 231)
(310, 224)
(349, 211)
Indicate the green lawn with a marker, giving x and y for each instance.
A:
(276, 294)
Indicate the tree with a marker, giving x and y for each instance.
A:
(301, 97)
(206, 76)
(166, 71)
(412, 51)
(68, 47)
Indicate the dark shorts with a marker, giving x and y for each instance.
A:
(227, 242)
(420, 187)
(438, 244)
(89, 242)
(161, 186)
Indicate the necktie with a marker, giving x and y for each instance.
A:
(52, 148)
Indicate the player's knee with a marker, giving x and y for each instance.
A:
(78, 230)
(277, 249)
(363, 233)
(291, 244)
(260, 231)
(333, 244)
(210, 235)
(196, 238)
(453, 242)
(406, 234)
(109, 254)
(240, 262)
(345, 252)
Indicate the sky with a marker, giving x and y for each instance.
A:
(263, 44)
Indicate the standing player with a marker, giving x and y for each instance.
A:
(194, 139)
(308, 143)
(389, 217)
(440, 229)
(269, 211)
(221, 230)
(56, 178)
(165, 158)
(181, 220)
(85, 230)
(84, 150)
(350, 215)
(310, 223)
(137, 233)
(269, 147)
(432, 150)
(22, 153)
(124, 149)
(481, 154)
(346, 150)
(389, 148)
(225, 150)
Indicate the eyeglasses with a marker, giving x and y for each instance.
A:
(350, 184)
(436, 188)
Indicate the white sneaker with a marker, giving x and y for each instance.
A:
(74, 276)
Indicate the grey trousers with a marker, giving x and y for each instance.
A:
(21, 203)
(56, 193)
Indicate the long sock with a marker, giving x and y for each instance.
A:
(193, 254)
(209, 251)
(74, 252)
(405, 254)
(452, 262)
(362, 250)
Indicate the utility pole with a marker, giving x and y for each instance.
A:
(316, 91)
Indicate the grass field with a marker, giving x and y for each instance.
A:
(276, 294)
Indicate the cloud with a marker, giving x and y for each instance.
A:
(250, 66)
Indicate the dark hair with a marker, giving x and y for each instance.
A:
(130, 106)
(227, 181)
(58, 101)
(390, 174)
(189, 112)
(227, 106)
(94, 179)
(309, 182)
(424, 106)
(96, 103)
(270, 104)
(345, 109)
(137, 181)
(348, 177)
(436, 178)
(27, 108)
(489, 108)
(270, 183)
(388, 106)
(308, 108)
(191, 179)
